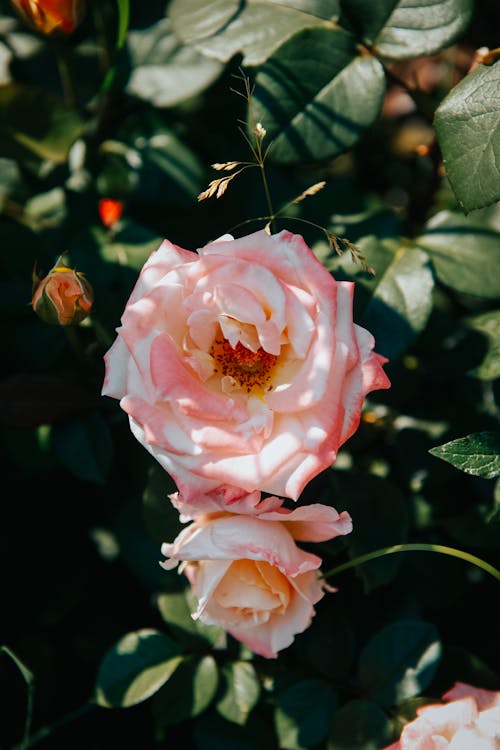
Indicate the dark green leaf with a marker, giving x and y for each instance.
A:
(34, 122)
(302, 716)
(420, 28)
(401, 302)
(131, 245)
(359, 725)
(165, 71)
(379, 523)
(189, 693)
(196, 19)
(489, 325)
(135, 668)
(477, 454)
(315, 96)
(328, 645)
(255, 29)
(464, 253)
(176, 608)
(399, 661)
(241, 691)
(467, 125)
(84, 447)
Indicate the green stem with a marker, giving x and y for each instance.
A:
(441, 549)
(46, 731)
(30, 687)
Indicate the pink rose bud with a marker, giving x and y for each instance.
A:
(48, 16)
(64, 297)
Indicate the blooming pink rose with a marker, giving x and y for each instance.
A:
(469, 721)
(245, 569)
(241, 364)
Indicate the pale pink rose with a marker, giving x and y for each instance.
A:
(241, 364)
(470, 720)
(246, 570)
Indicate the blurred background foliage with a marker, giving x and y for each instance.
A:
(387, 101)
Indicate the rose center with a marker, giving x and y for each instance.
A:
(249, 369)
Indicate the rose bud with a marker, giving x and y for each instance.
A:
(110, 211)
(64, 297)
(48, 16)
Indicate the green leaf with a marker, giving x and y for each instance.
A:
(410, 28)
(488, 324)
(302, 715)
(477, 454)
(36, 123)
(197, 19)
(189, 693)
(175, 607)
(166, 72)
(467, 126)
(241, 691)
(149, 164)
(135, 668)
(130, 246)
(84, 447)
(359, 725)
(256, 28)
(399, 661)
(328, 645)
(316, 95)
(381, 522)
(401, 302)
(464, 253)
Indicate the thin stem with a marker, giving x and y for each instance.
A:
(30, 697)
(441, 549)
(66, 78)
(267, 194)
(46, 731)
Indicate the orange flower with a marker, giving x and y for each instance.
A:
(48, 16)
(64, 297)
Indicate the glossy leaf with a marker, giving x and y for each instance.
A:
(254, 28)
(359, 725)
(401, 303)
(165, 71)
(135, 668)
(399, 661)
(302, 716)
(467, 125)
(189, 693)
(176, 607)
(315, 96)
(35, 123)
(241, 691)
(477, 454)
(488, 324)
(84, 447)
(464, 253)
(422, 28)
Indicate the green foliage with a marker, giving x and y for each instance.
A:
(471, 153)
(385, 103)
(477, 454)
(399, 661)
(135, 668)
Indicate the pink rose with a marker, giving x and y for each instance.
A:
(469, 721)
(241, 364)
(245, 569)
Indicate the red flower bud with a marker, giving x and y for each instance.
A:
(110, 211)
(48, 16)
(64, 297)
